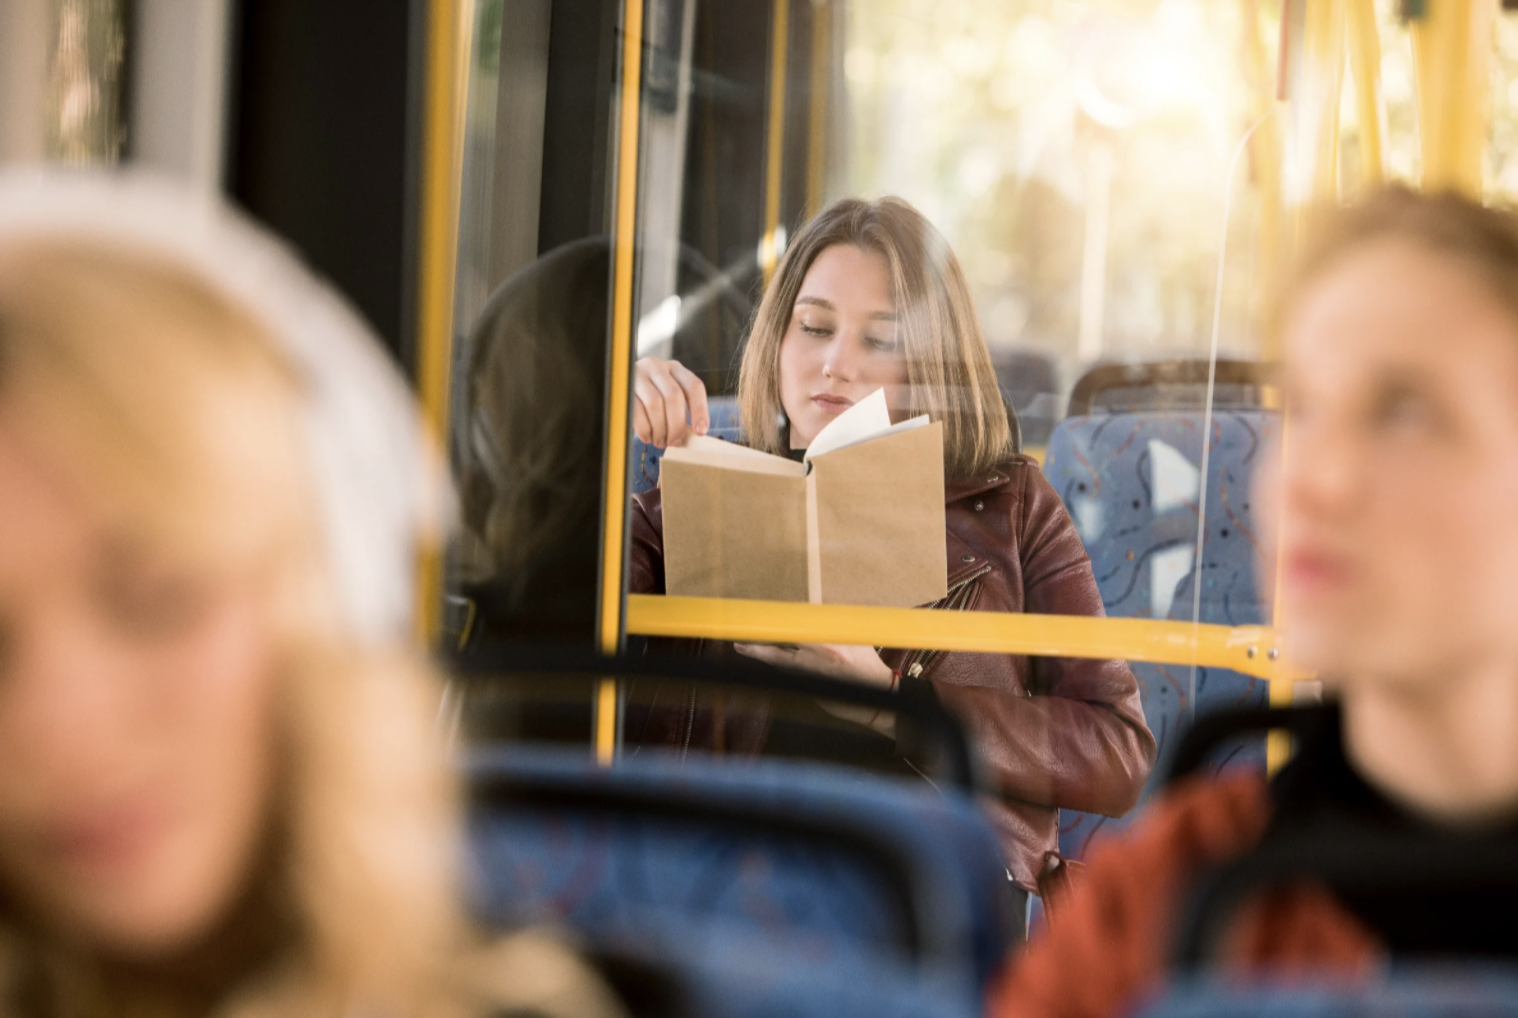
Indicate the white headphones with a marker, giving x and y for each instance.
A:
(381, 489)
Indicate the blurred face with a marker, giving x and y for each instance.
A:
(842, 343)
(1398, 512)
(136, 732)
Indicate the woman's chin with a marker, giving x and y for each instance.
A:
(154, 913)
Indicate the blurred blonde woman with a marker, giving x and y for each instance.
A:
(221, 788)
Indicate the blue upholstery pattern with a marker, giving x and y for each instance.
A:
(645, 458)
(772, 855)
(1446, 991)
(1132, 483)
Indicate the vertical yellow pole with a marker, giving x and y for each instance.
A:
(1281, 690)
(1323, 73)
(769, 247)
(1365, 63)
(817, 121)
(450, 24)
(1265, 157)
(1452, 47)
(1313, 177)
(618, 377)
(1266, 151)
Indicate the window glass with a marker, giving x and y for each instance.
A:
(1100, 199)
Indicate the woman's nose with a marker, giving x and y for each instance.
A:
(63, 698)
(1318, 471)
(840, 362)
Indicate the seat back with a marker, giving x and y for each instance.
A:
(522, 696)
(1031, 384)
(826, 867)
(1132, 483)
(737, 980)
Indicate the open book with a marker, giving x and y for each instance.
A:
(859, 521)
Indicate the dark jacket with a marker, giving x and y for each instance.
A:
(1053, 732)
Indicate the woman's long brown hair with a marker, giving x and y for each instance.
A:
(948, 365)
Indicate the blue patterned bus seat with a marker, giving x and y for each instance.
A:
(1132, 483)
(645, 458)
(828, 865)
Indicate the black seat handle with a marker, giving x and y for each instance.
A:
(1356, 861)
(1209, 731)
(943, 737)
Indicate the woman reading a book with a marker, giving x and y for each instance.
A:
(868, 297)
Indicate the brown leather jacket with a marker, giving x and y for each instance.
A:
(1053, 732)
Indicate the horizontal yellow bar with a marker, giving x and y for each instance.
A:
(1251, 650)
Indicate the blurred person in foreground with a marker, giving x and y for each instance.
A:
(1393, 514)
(222, 790)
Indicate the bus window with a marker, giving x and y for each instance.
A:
(1083, 194)
(1094, 184)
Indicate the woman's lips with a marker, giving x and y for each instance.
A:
(1312, 571)
(104, 838)
(830, 404)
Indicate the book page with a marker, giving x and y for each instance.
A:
(864, 420)
(878, 520)
(867, 419)
(714, 452)
(713, 444)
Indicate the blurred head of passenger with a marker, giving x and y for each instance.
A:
(530, 465)
(1399, 482)
(869, 296)
(208, 770)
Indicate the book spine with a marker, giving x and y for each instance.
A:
(813, 543)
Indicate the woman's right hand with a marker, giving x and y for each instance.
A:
(664, 394)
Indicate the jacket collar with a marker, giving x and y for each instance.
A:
(999, 475)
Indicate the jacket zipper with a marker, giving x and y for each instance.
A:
(957, 597)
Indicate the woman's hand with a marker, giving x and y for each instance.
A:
(665, 393)
(838, 660)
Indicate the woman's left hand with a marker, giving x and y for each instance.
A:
(838, 660)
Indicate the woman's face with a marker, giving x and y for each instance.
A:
(843, 341)
(1398, 490)
(136, 723)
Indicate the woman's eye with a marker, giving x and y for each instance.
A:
(883, 343)
(152, 605)
(815, 330)
(1402, 409)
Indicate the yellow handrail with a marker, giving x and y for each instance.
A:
(1365, 62)
(769, 249)
(618, 376)
(449, 26)
(1316, 95)
(1452, 44)
(1252, 650)
(819, 100)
